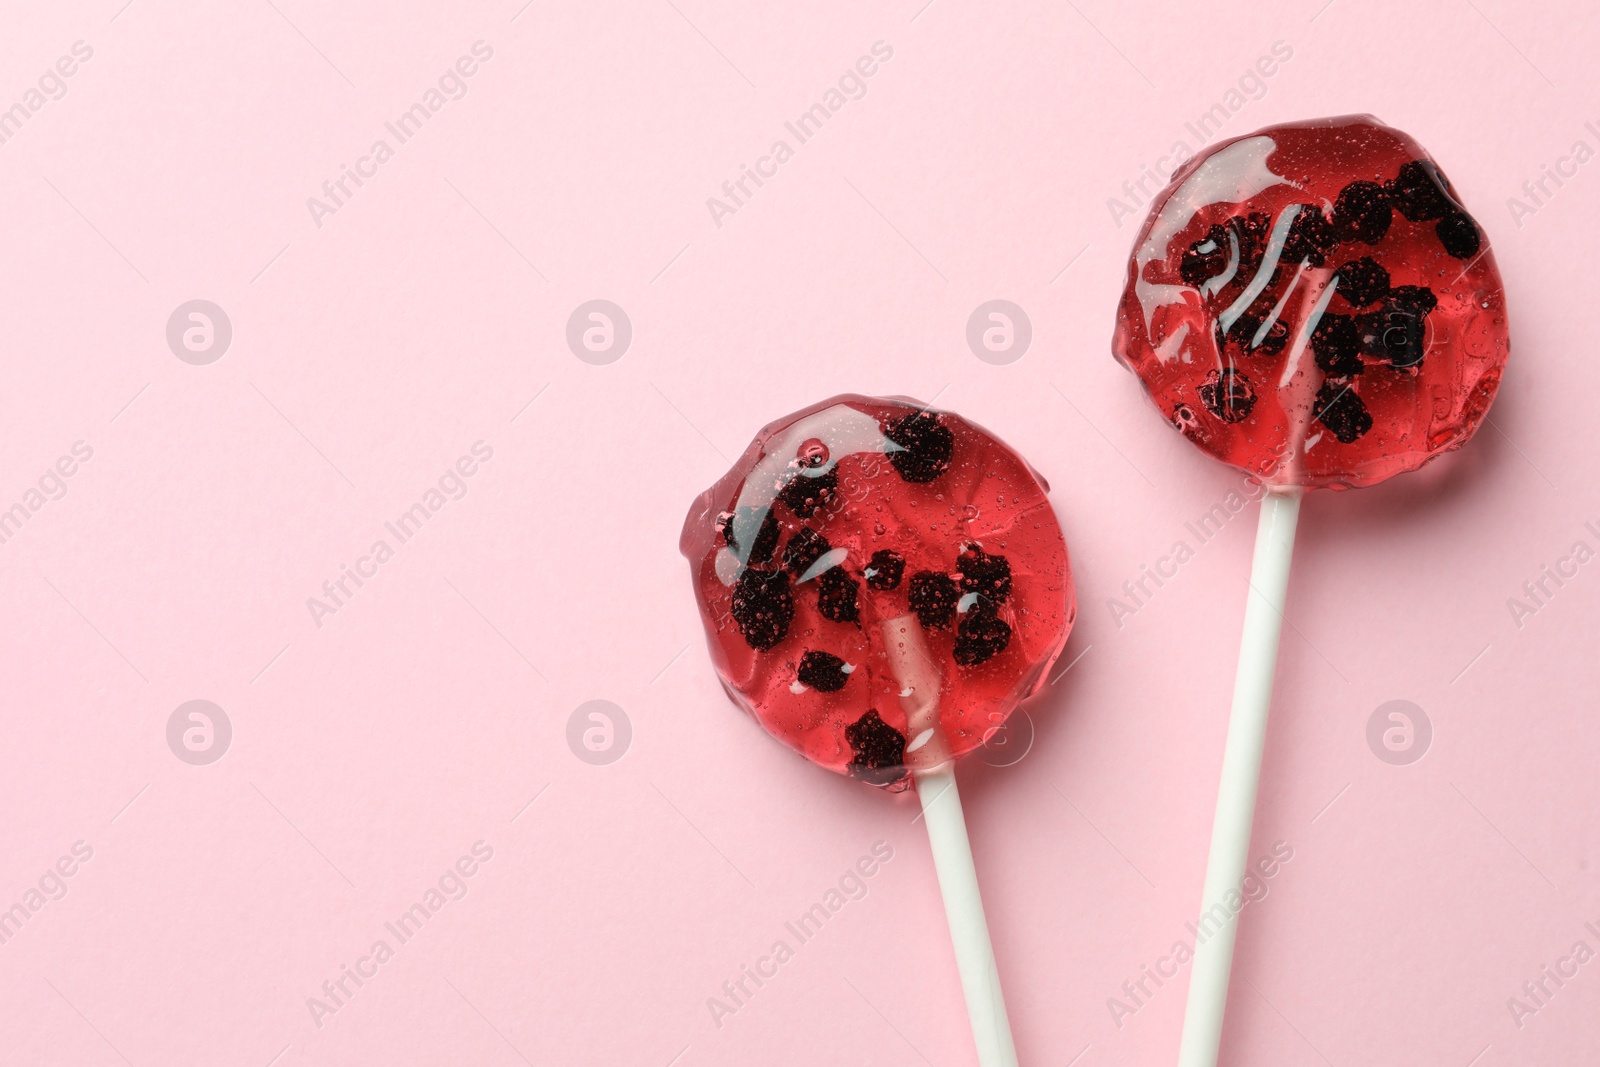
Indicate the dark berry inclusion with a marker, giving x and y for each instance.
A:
(933, 597)
(805, 547)
(925, 446)
(762, 607)
(886, 568)
(879, 750)
(822, 671)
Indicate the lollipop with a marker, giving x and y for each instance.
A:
(1311, 304)
(880, 585)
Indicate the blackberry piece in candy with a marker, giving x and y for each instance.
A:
(1396, 332)
(1414, 299)
(805, 494)
(1339, 409)
(1258, 310)
(1459, 235)
(1184, 420)
(1420, 193)
(1252, 231)
(766, 536)
(1336, 344)
(1274, 340)
(878, 750)
(822, 671)
(836, 596)
(1390, 336)
(1311, 237)
(1243, 329)
(1206, 258)
(885, 569)
(933, 597)
(1248, 325)
(988, 576)
(762, 607)
(981, 636)
(1228, 395)
(925, 446)
(1362, 281)
(1362, 212)
(805, 547)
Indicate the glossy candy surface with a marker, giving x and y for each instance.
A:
(880, 584)
(1312, 304)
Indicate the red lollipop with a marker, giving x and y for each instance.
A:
(1312, 304)
(881, 584)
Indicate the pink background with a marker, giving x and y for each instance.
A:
(370, 352)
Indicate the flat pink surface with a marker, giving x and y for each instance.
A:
(378, 339)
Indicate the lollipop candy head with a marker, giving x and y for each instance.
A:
(880, 584)
(1311, 303)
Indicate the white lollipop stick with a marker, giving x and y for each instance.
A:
(963, 909)
(928, 755)
(1241, 773)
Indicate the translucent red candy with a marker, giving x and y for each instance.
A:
(1311, 303)
(880, 584)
